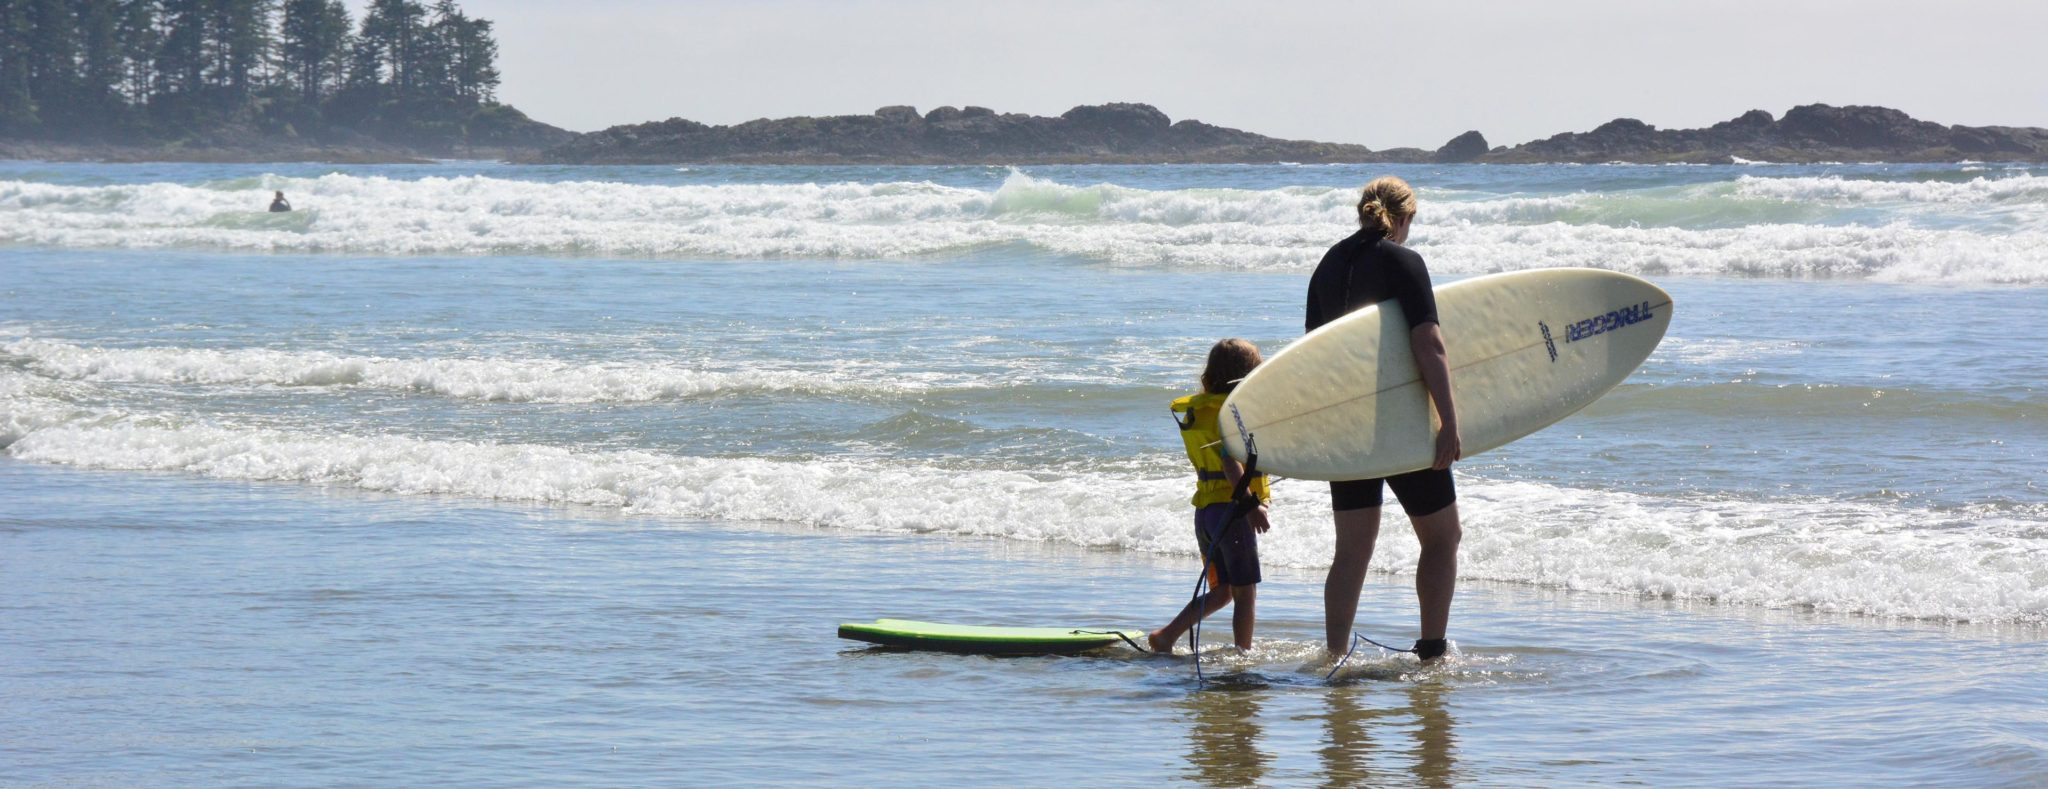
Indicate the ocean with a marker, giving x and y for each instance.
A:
(531, 474)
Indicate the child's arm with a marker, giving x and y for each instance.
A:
(1257, 517)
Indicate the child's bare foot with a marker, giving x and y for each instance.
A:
(1152, 640)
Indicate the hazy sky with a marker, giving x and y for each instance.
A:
(1383, 74)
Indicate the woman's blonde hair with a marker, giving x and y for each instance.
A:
(1229, 362)
(1386, 200)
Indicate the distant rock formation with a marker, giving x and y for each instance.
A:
(1107, 133)
(1462, 148)
(1808, 133)
(1141, 134)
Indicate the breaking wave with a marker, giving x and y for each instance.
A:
(1986, 563)
(2020, 188)
(1985, 230)
(502, 380)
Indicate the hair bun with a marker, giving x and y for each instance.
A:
(1384, 200)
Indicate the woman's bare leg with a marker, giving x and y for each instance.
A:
(1436, 573)
(1357, 531)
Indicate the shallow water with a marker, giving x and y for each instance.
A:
(251, 633)
(481, 471)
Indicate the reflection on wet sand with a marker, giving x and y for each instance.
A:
(1394, 732)
(1364, 733)
(1223, 734)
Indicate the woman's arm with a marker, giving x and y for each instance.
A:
(1427, 341)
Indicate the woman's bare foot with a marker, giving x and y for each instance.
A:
(1152, 640)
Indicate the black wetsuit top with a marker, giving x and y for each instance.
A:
(279, 206)
(1361, 271)
(1367, 269)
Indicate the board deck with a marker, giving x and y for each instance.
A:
(977, 639)
(1526, 349)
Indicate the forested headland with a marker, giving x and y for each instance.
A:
(252, 79)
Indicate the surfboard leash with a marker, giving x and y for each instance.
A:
(1355, 638)
(1117, 633)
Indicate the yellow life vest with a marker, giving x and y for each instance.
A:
(1204, 439)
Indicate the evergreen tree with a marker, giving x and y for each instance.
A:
(100, 59)
(97, 65)
(181, 57)
(387, 48)
(52, 59)
(365, 62)
(475, 66)
(240, 41)
(312, 46)
(336, 73)
(139, 39)
(17, 105)
(434, 52)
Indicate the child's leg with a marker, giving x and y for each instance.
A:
(1241, 619)
(1195, 611)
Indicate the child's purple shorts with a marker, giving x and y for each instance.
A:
(1232, 560)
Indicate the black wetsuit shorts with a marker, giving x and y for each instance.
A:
(1420, 492)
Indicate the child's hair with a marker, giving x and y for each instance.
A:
(1229, 361)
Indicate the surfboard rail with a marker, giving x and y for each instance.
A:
(985, 640)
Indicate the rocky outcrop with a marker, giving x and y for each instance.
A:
(1141, 134)
(1110, 133)
(1808, 133)
(1462, 148)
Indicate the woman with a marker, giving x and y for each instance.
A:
(1370, 267)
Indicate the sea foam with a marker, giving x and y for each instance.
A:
(2021, 188)
(494, 379)
(1751, 226)
(1985, 564)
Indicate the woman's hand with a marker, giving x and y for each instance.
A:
(1448, 448)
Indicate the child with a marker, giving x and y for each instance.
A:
(1230, 550)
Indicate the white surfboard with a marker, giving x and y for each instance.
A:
(1526, 349)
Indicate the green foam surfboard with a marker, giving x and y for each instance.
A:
(977, 639)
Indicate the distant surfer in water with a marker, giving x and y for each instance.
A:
(1365, 269)
(278, 204)
(1229, 546)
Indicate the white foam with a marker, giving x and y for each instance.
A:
(1826, 555)
(2024, 188)
(1721, 350)
(1891, 253)
(1706, 230)
(503, 380)
(29, 403)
